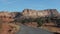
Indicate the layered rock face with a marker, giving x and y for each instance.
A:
(39, 13)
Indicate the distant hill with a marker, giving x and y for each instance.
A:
(51, 17)
(29, 13)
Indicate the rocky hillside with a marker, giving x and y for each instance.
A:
(50, 15)
(34, 13)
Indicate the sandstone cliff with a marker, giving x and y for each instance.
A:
(40, 13)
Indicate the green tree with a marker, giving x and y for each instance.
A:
(40, 21)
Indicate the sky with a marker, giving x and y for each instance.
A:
(19, 5)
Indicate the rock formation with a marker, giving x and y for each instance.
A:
(29, 13)
(40, 13)
(35, 13)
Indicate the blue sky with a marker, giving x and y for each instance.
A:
(19, 5)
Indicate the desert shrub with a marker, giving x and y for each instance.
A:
(40, 21)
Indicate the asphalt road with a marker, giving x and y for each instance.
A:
(29, 30)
